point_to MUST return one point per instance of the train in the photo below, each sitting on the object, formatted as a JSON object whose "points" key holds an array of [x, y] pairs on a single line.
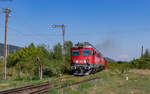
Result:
{"points": [[86, 59]]}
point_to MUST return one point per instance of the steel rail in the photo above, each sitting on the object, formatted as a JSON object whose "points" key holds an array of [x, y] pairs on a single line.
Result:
{"points": [[42, 87], [30, 89]]}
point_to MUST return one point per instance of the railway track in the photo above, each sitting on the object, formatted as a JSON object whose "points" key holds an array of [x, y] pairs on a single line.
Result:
{"points": [[42, 87], [30, 89], [76, 83]]}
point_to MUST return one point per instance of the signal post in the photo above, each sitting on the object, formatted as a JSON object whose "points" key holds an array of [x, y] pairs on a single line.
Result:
{"points": [[63, 36]]}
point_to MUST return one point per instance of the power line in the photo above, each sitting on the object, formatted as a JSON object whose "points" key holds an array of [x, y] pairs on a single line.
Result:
{"points": [[30, 34]]}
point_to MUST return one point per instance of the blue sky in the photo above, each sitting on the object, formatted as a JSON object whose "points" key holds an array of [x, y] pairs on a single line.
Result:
{"points": [[118, 28]]}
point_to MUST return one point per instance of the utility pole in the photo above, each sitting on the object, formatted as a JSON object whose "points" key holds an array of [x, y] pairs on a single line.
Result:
{"points": [[6, 11], [63, 36], [142, 51]]}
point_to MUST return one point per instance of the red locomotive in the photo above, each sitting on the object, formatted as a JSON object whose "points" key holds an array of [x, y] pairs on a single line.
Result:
{"points": [[85, 59]]}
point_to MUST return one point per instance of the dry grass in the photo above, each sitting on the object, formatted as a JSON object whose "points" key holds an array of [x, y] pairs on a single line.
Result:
{"points": [[4, 84], [113, 83], [141, 71]]}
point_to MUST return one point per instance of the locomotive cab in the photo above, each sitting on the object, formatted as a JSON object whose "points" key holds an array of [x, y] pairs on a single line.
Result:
{"points": [[81, 59], [81, 56]]}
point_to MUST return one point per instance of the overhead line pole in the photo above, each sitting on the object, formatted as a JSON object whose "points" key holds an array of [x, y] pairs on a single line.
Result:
{"points": [[6, 11], [63, 36], [142, 51], [63, 51]]}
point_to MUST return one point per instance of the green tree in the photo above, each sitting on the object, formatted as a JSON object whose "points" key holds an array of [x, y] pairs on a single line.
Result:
{"points": [[58, 51], [23, 62], [146, 54], [68, 46], [143, 62]]}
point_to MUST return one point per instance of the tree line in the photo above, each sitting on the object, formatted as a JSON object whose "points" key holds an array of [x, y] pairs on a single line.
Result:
{"points": [[121, 67], [23, 63]]}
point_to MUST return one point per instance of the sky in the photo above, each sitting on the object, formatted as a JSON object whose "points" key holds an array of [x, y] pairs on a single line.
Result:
{"points": [[117, 28]]}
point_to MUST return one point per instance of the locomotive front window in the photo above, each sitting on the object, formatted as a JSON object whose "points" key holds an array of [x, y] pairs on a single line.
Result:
{"points": [[76, 52], [86, 52]]}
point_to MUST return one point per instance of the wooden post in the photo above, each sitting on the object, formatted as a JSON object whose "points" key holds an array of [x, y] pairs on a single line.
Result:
{"points": [[7, 11], [40, 70]]}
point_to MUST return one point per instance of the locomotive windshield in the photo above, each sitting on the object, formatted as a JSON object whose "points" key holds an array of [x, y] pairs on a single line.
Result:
{"points": [[76, 52], [86, 52]]}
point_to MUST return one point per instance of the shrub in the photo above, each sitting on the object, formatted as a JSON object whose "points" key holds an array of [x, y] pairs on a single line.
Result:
{"points": [[120, 68]]}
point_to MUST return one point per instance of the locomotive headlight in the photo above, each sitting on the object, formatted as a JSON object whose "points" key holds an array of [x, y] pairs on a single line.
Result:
{"points": [[84, 61], [77, 61]]}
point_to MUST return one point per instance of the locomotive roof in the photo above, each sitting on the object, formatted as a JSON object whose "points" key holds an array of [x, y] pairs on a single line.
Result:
{"points": [[85, 45]]}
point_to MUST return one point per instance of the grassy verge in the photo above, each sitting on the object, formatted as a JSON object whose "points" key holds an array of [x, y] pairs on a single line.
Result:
{"points": [[9, 84], [66, 79], [109, 83]]}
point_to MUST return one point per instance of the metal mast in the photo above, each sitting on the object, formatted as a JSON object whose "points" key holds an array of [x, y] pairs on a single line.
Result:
{"points": [[63, 36], [142, 51]]}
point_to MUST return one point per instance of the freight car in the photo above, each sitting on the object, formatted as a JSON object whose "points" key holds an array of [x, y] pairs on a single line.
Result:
{"points": [[86, 59]]}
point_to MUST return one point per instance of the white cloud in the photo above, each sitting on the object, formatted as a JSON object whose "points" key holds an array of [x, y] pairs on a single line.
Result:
{"points": [[124, 56]]}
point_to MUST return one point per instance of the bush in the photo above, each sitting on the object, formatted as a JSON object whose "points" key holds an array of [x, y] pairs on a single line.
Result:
{"points": [[1, 68], [120, 68], [143, 63]]}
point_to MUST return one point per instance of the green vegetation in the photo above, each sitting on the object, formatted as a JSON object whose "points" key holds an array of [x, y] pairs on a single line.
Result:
{"points": [[111, 83], [123, 67], [22, 69], [143, 62], [23, 63]]}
